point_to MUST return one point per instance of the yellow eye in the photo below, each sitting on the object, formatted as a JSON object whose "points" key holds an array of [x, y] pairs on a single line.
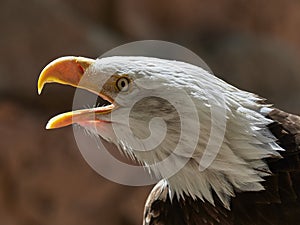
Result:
{"points": [[123, 84]]}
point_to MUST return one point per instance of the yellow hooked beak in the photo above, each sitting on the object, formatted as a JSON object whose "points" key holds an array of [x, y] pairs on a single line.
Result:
{"points": [[69, 70]]}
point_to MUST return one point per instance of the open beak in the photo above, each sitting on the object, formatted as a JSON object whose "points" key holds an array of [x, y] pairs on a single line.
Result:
{"points": [[69, 70]]}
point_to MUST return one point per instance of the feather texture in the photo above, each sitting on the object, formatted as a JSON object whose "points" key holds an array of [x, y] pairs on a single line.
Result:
{"points": [[278, 204]]}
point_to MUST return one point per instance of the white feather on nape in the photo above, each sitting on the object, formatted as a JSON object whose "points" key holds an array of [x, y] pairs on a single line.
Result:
{"points": [[239, 165]]}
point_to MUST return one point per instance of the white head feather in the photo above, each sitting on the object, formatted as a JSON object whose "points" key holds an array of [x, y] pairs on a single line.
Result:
{"points": [[239, 162]]}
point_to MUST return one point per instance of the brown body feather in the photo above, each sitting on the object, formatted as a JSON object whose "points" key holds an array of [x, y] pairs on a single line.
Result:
{"points": [[278, 204]]}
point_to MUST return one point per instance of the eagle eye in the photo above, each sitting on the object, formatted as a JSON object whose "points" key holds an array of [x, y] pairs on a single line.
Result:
{"points": [[123, 84]]}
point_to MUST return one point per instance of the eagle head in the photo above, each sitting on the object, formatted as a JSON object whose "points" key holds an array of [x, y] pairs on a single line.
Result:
{"points": [[195, 131]]}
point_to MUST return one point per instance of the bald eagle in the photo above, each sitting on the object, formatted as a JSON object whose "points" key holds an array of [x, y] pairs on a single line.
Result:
{"points": [[237, 160]]}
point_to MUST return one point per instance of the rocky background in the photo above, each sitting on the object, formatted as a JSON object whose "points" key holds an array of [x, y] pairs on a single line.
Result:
{"points": [[254, 45]]}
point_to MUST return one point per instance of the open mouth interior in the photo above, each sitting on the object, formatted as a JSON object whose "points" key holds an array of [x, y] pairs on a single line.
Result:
{"points": [[100, 102], [88, 100]]}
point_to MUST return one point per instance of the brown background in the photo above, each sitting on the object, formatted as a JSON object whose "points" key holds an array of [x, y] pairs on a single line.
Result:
{"points": [[254, 45]]}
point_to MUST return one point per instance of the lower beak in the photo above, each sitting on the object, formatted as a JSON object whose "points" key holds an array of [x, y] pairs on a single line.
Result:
{"points": [[81, 117]]}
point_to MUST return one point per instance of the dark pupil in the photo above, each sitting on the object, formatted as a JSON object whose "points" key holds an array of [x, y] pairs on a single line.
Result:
{"points": [[123, 83]]}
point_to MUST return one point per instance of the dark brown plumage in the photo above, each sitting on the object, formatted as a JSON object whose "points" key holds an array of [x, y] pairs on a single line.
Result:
{"points": [[279, 204]]}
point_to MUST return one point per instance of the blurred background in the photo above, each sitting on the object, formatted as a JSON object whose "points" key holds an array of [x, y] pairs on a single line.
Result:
{"points": [[254, 45]]}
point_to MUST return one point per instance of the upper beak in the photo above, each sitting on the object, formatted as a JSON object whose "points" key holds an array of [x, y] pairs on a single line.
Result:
{"points": [[70, 70], [65, 70]]}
